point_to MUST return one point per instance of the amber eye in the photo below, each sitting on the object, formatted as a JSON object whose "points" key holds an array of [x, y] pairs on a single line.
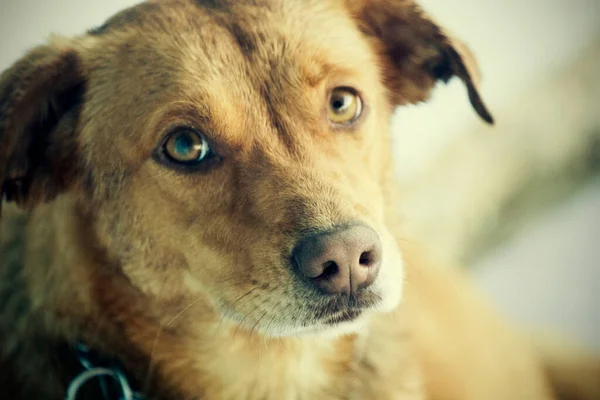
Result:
{"points": [[186, 147], [345, 106]]}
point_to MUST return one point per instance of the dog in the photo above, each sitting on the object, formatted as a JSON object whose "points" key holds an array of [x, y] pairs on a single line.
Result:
{"points": [[200, 204]]}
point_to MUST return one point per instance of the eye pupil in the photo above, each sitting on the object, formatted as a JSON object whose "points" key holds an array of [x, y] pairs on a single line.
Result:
{"points": [[339, 103], [345, 106], [186, 147]]}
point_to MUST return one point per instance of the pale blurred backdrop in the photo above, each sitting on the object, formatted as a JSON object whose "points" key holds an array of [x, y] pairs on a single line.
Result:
{"points": [[517, 204]]}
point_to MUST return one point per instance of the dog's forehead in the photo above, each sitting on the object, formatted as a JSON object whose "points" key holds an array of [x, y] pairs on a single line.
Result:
{"points": [[261, 30], [232, 59], [240, 17]]}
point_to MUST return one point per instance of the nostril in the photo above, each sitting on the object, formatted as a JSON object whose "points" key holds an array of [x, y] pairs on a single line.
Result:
{"points": [[366, 259], [331, 269], [339, 262]]}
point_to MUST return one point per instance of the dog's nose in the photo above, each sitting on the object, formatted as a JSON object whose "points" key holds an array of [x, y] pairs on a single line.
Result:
{"points": [[340, 262]]}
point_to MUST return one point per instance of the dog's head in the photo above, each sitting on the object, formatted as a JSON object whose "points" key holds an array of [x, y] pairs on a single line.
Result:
{"points": [[236, 152]]}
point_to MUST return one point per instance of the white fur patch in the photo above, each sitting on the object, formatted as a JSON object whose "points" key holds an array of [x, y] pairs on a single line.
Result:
{"points": [[390, 281]]}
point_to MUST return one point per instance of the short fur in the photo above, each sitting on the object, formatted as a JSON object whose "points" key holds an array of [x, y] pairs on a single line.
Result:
{"points": [[185, 277]]}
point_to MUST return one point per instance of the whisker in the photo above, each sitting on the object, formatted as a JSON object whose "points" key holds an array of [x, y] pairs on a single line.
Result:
{"points": [[159, 331], [237, 300], [183, 311], [268, 327], [230, 307], [258, 321], [240, 324]]}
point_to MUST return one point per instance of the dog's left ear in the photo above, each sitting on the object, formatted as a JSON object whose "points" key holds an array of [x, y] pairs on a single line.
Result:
{"points": [[40, 97], [415, 51]]}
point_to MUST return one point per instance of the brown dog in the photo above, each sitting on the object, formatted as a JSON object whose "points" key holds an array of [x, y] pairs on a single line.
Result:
{"points": [[210, 207]]}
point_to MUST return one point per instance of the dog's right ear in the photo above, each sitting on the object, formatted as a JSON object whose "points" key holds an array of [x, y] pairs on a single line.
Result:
{"points": [[40, 98]]}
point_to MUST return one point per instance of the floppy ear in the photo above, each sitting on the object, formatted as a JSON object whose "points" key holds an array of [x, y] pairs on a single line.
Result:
{"points": [[415, 51], [40, 97]]}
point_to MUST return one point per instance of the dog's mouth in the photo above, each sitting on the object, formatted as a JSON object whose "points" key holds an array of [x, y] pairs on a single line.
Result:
{"points": [[340, 317], [316, 314], [342, 309]]}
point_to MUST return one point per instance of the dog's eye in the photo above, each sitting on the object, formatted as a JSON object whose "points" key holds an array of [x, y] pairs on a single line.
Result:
{"points": [[186, 147], [345, 106]]}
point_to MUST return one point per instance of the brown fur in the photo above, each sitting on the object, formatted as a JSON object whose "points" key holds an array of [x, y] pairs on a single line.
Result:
{"points": [[185, 276]]}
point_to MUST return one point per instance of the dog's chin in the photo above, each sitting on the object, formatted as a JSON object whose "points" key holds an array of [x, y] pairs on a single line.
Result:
{"points": [[337, 326]]}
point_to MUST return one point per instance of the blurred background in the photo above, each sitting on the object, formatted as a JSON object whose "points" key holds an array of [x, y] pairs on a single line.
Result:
{"points": [[518, 204]]}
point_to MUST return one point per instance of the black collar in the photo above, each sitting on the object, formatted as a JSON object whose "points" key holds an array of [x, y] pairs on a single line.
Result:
{"points": [[102, 376]]}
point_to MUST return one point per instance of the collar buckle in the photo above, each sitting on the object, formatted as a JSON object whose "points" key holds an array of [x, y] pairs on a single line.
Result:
{"points": [[93, 368]]}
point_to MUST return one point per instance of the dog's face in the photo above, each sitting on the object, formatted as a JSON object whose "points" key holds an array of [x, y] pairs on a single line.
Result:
{"points": [[233, 152]]}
